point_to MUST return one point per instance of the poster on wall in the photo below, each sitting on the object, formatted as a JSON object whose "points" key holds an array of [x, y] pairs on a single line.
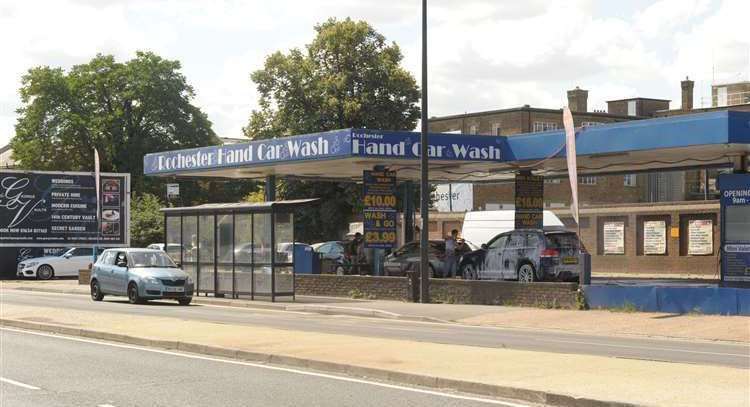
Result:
{"points": [[655, 237], [45, 209], [700, 237], [614, 237]]}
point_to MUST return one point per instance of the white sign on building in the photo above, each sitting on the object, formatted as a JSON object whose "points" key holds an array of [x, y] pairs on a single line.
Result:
{"points": [[614, 237], [453, 197], [700, 237], [655, 237]]}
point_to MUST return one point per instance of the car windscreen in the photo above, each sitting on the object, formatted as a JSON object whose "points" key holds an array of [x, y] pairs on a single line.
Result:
{"points": [[561, 240], [150, 259]]}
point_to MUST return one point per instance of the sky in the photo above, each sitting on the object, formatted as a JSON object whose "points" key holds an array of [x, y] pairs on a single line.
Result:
{"points": [[482, 54]]}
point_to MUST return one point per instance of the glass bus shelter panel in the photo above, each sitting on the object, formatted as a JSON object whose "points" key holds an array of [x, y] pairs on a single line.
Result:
{"points": [[224, 253], [190, 246], [262, 246], [243, 253], [172, 246], [206, 254], [284, 280], [284, 224]]}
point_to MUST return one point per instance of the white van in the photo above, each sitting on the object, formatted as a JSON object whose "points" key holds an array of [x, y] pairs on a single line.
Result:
{"points": [[481, 226]]}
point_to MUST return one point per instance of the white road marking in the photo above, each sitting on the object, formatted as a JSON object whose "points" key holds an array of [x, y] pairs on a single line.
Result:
{"points": [[276, 368], [654, 348], [19, 384], [105, 405]]}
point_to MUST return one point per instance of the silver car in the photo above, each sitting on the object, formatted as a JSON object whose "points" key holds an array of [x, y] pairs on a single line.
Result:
{"points": [[141, 275]]}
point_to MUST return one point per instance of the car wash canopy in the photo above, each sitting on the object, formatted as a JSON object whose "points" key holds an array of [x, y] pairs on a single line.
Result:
{"points": [[707, 139]]}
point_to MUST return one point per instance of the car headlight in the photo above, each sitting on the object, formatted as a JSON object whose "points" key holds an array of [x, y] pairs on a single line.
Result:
{"points": [[152, 280], [32, 264]]}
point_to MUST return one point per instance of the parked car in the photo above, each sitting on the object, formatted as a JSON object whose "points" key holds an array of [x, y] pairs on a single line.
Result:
{"points": [[526, 255], [407, 258], [66, 264], [334, 252], [139, 274]]}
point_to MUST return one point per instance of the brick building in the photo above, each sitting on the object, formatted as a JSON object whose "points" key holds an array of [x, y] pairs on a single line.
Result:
{"points": [[676, 198]]}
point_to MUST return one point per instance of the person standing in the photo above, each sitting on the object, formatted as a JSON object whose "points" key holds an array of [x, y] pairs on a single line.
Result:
{"points": [[451, 244]]}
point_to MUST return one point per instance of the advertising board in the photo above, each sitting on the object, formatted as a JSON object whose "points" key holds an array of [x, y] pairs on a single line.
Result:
{"points": [[47, 209], [735, 227], [529, 201], [614, 237], [654, 237], [379, 209]]}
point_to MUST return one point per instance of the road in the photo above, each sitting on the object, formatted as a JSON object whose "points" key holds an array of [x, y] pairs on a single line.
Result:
{"points": [[46, 370], [698, 352]]}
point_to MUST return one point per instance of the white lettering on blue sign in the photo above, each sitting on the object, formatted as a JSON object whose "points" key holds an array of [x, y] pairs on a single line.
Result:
{"points": [[738, 196]]}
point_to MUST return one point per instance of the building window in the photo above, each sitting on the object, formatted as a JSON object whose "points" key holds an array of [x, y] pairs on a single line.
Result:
{"points": [[496, 129], [589, 124], [473, 129], [552, 180], [544, 126], [587, 180], [631, 108], [721, 97], [629, 180]]}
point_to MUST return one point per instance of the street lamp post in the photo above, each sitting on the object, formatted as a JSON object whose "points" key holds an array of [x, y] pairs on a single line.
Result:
{"points": [[424, 269]]}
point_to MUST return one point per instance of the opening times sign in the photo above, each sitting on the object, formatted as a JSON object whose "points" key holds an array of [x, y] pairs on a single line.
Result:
{"points": [[380, 214], [59, 208]]}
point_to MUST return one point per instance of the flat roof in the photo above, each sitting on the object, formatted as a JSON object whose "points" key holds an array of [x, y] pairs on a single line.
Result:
{"points": [[530, 108], [676, 142], [639, 98], [239, 206]]}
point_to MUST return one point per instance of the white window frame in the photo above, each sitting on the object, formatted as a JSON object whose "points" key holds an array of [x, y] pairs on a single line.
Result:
{"points": [[496, 129], [630, 180], [473, 129], [589, 124], [587, 180], [544, 126], [632, 108]]}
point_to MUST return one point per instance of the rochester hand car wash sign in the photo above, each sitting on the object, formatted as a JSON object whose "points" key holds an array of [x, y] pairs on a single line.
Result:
{"points": [[59, 208], [322, 146]]}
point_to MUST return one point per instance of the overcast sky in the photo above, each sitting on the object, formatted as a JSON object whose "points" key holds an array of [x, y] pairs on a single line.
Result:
{"points": [[483, 54]]}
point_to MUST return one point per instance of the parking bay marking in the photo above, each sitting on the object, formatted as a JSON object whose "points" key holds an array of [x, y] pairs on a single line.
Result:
{"points": [[276, 368], [19, 384]]}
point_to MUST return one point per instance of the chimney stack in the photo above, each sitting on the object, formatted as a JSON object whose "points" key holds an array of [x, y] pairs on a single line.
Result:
{"points": [[687, 94], [578, 100]]}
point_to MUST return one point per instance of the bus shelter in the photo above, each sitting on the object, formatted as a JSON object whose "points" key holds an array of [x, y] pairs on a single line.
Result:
{"points": [[235, 249]]}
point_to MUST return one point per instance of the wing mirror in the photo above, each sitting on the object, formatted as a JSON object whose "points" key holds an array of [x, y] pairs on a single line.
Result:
{"points": [[122, 264], [484, 246], [67, 255]]}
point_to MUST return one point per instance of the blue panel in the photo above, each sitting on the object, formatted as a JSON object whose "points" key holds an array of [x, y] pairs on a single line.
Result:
{"points": [[678, 300], [319, 146]]}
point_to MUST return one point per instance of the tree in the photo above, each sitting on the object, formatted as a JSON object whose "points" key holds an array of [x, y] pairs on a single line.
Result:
{"points": [[146, 221], [125, 110], [349, 76]]}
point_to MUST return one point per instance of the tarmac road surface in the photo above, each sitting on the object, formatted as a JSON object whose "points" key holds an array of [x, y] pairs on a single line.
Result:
{"points": [[39, 370], [697, 352]]}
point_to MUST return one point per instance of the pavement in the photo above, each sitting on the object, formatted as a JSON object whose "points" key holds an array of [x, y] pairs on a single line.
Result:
{"points": [[347, 344], [135, 376], [592, 322]]}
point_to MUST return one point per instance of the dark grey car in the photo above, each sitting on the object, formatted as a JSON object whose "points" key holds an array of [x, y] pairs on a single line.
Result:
{"points": [[526, 255]]}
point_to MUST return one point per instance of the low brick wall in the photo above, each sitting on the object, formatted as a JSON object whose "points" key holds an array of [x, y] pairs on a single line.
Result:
{"points": [[548, 295], [545, 295], [382, 288], [84, 276]]}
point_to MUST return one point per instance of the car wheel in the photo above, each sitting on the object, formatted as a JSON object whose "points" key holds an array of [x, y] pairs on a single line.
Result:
{"points": [[185, 301], [526, 273], [45, 272], [133, 296], [96, 291], [469, 272]]}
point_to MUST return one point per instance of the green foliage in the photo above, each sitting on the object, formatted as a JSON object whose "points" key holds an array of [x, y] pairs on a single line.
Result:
{"points": [[349, 76], [146, 221], [125, 110]]}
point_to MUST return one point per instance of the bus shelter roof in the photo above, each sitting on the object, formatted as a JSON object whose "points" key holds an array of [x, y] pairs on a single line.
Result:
{"points": [[678, 142]]}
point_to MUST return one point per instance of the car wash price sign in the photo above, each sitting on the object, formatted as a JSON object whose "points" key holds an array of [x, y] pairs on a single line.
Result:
{"points": [[379, 200], [529, 201]]}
